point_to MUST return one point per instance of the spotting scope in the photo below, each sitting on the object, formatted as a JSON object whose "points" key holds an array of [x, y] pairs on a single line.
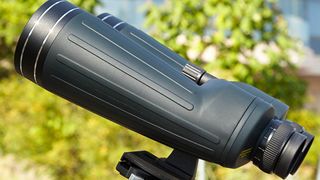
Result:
{"points": [[109, 67]]}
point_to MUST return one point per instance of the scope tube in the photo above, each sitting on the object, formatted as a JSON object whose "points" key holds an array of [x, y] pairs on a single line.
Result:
{"points": [[93, 65], [77, 56]]}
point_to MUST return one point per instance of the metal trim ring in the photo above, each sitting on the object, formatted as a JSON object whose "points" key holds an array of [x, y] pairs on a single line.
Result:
{"points": [[31, 31], [106, 17], [45, 40]]}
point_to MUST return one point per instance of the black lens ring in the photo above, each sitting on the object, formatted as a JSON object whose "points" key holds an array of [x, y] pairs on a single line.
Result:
{"points": [[275, 146], [290, 154], [28, 31], [38, 35]]}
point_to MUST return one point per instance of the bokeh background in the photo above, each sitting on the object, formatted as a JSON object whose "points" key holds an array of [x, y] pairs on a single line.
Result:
{"points": [[271, 44]]}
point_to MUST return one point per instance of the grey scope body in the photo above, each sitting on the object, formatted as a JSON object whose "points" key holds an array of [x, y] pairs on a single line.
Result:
{"points": [[112, 69]]}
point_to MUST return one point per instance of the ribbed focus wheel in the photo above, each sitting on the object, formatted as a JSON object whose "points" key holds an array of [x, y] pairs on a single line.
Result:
{"points": [[275, 146]]}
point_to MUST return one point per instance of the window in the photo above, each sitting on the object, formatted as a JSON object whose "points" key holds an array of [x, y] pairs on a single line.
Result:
{"points": [[295, 12], [313, 19]]}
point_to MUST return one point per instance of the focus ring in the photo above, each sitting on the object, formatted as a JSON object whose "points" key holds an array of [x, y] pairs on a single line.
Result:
{"points": [[274, 147]]}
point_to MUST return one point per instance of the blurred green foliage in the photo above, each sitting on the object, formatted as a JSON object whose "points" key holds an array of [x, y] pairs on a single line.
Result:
{"points": [[72, 143]]}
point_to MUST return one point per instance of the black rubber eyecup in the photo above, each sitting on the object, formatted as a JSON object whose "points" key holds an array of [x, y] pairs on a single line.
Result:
{"points": [[303, 153]]}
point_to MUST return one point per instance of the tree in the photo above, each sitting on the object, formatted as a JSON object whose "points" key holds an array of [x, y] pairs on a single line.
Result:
{"points": [[242, 40], [14, 15]]}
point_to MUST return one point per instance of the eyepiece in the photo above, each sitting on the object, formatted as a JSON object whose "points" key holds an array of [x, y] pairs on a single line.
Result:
{"points": [[282, 148]]}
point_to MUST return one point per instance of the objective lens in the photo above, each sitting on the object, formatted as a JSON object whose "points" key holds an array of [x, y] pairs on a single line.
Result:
{"points": [[282, 148]]}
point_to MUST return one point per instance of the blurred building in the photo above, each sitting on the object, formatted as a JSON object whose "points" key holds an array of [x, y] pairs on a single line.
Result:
{"points": [[303, 19]]}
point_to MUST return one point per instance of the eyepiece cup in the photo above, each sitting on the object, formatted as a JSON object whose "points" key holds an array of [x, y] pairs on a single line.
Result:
{"points": [[303, 153]]}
